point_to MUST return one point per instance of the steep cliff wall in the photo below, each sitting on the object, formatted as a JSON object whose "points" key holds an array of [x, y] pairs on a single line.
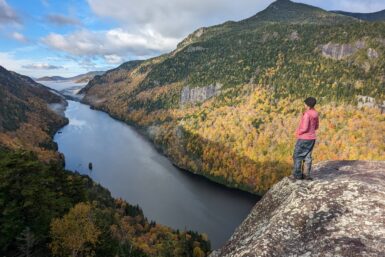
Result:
{"points": [[340, 213]]}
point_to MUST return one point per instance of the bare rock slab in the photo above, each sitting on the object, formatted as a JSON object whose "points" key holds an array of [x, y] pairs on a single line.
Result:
{"points": [[340, 213]]}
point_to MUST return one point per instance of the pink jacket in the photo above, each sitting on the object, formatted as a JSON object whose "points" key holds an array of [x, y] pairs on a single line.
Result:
{"points": [[308, 125]]}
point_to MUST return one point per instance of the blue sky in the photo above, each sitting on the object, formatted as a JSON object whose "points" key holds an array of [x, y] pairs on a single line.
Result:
{"points": [[56, 37]]}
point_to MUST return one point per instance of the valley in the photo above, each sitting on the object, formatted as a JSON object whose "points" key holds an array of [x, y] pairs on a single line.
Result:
{"points": [[166, 154]]}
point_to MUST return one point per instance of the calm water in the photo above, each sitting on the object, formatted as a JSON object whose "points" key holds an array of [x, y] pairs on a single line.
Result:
{"points": [[129, 166]]}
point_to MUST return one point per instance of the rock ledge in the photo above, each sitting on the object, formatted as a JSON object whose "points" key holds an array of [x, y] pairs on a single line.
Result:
{"points": [[340, 213]]}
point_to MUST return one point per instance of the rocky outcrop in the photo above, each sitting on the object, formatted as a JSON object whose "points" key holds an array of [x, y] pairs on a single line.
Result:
{"points": [[199, 94], [340, 213], [372, 54], [294, 36], [370, 102], [193, 49], [341, 51]]}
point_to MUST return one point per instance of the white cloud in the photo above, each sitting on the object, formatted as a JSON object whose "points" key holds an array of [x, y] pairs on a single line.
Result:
{"points": [[19, 37], [7, 14], [113, 59], [111, 42], [175, 18], [41, 66]]}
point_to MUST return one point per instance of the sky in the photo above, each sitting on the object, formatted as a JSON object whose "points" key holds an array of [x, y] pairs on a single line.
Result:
{"points": [[67, 38]]}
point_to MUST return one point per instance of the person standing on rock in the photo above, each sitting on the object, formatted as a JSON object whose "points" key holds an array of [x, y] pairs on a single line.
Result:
{"points": [[306, 137]]}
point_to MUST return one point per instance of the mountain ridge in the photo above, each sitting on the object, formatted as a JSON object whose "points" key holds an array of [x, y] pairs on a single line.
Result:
{"points": [[375, 16], [78, 78]]}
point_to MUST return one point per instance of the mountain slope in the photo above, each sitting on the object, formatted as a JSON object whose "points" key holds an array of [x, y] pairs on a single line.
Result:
{"points": [[301, 219], [27, 119], [226, 102], [376, 16]]}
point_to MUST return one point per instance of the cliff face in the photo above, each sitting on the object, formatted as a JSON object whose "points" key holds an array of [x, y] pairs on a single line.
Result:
{"points": [[199, 94], [340, 213]]}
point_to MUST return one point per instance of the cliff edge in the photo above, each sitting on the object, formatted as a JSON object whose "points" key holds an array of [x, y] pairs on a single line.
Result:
{"points": [[340, 213]]}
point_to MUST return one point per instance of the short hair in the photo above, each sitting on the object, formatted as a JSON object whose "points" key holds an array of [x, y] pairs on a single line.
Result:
{"points": [[311, 102]]}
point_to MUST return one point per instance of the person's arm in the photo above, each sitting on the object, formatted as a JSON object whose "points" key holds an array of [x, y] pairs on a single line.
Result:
{"points": [[304, 126]]}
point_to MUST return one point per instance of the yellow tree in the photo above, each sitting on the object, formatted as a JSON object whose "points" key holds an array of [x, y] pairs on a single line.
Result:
{"points": [[75, 233]]}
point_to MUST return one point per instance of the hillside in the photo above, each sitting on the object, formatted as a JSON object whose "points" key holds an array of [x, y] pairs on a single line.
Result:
{"points": [[340, 213], [226, 102], [27, 116], [376, 16]]}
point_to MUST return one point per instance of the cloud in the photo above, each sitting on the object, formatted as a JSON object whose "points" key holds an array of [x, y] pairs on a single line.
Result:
{"points": [[61, 20], [175, 18], [7, 14], [113, 59], [19, 37], [110, 43], [41, 66]]}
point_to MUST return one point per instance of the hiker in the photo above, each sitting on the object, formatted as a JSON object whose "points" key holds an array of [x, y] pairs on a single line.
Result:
{"points": [[306, 137]]}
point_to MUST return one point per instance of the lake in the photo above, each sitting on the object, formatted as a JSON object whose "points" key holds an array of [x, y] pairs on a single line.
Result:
{"points": [[129, 166]]}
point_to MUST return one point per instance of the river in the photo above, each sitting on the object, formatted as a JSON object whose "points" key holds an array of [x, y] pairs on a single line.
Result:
{"points": [[129, 166]]}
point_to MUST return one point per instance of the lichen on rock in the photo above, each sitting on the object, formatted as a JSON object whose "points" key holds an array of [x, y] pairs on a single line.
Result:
{"points": [[340, 213]]}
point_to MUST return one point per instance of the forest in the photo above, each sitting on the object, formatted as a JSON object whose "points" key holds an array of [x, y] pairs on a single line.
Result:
{"points": [[48, 211]]}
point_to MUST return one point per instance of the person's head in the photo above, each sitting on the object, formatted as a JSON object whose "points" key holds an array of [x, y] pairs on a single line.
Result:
{"points": [[310, 102]]}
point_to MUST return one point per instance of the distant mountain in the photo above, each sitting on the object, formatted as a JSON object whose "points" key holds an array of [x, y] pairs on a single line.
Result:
{"points": [[51, 78], [26, 119], [82, 78], [376, 16], [225, 103]]}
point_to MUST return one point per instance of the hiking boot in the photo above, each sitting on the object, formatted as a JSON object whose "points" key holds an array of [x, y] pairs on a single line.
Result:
{"points": [[293, 178], [308, 178]]}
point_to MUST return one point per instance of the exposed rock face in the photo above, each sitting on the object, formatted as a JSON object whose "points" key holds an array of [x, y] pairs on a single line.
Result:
{"points": [[366, 101], [372, 53], [341, 51], [199, 94], [192, 49], [294, 36], [340, 213]]}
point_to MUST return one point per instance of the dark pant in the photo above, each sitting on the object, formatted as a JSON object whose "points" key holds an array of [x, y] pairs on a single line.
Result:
{"points": [[302, 152]]}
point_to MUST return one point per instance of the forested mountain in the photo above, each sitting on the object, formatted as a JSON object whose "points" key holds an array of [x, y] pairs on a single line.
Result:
{"points": [[48, 211], [27, 119], [226, 102]]}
